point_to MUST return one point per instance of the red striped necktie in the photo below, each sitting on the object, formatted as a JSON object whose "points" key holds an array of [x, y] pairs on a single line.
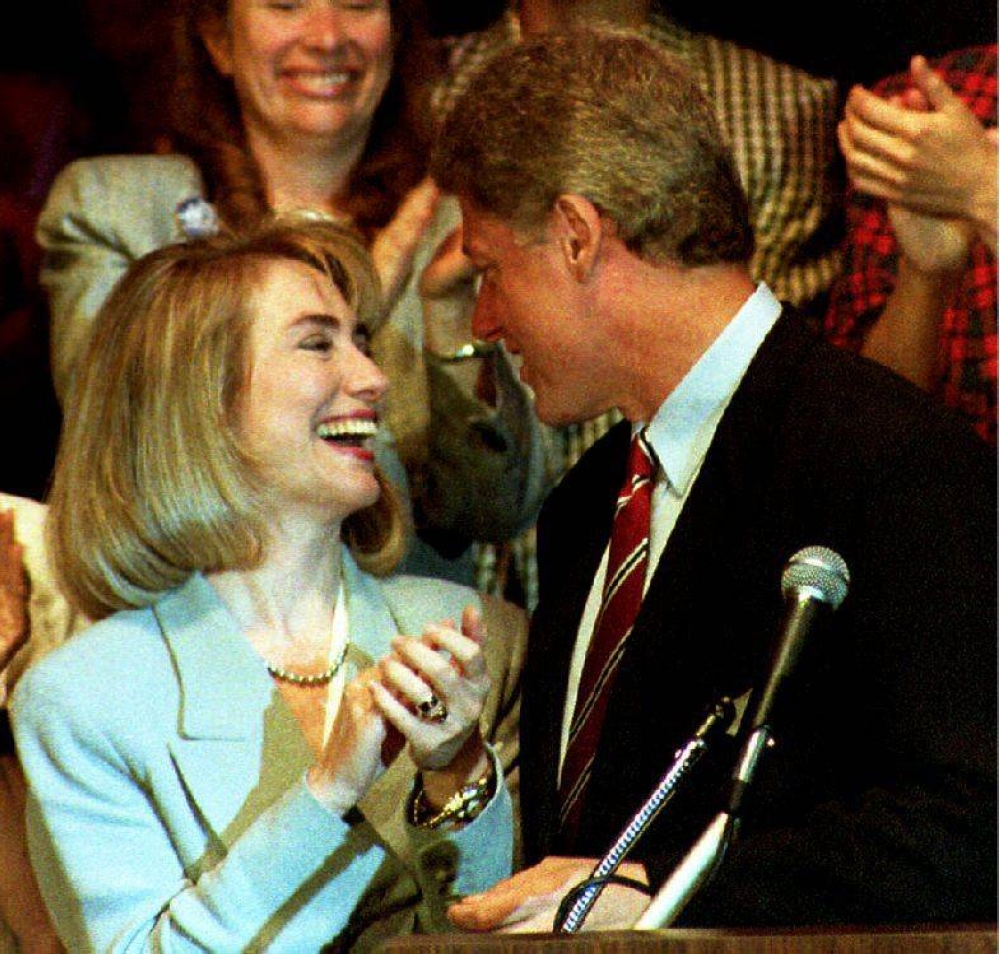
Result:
{"points": [[628, 557]]}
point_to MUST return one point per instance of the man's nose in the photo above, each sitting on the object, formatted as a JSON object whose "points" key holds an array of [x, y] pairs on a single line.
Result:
{"points": [[486, 323]]}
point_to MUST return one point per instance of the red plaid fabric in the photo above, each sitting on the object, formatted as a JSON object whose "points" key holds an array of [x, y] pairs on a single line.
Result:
{"points": [[628, 557], [968, 340]]}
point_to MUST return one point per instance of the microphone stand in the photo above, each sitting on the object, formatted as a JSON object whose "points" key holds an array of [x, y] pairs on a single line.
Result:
{"points": [[814, 582], [587, 892], [705, 856]]}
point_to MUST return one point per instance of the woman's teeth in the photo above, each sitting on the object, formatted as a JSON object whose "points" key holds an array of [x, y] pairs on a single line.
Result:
{"points": [[352, 430], [322, 82]]}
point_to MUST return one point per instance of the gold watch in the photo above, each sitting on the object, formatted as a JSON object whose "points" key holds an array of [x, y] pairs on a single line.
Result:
{"points": [[462, 807]]}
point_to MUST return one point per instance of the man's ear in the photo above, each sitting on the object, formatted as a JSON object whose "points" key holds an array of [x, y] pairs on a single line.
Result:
{"points": [[579, 230], [214, 33]]}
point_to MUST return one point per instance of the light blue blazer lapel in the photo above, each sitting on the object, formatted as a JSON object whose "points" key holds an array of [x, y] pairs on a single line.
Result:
{"points": [[236, 745]]}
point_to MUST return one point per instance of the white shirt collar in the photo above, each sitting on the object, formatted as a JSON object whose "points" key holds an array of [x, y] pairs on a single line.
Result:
{"points": [[684, 425]]}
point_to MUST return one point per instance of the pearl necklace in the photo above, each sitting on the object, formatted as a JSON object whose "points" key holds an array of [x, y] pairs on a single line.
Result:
{"points": [[340, 635], [316, 679]]}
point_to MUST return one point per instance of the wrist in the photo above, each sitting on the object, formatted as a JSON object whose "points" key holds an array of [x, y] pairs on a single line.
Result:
{"points": [[928, 280], [465, 804], [470, 762], [332, 794], [467, 350]]}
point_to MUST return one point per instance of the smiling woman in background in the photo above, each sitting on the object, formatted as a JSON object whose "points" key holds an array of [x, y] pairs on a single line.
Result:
{"points": [[316, 104], [212, 766]]}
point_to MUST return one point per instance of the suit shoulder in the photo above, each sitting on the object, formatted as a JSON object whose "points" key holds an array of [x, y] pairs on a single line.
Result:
{"points": [[126, 172], [865, 396], [107, 211], [848, 429], [95, 668]]}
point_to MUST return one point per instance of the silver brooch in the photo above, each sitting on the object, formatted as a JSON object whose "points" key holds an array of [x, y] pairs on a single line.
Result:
{"points": [[197, 217]]}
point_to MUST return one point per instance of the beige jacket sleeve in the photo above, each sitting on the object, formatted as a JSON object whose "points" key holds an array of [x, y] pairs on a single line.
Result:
{"points": [[100, 216], [52, 618], [506, 645]]}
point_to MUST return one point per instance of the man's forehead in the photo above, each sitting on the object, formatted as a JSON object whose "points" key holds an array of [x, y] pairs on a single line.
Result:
{"points": [[485, 232]]}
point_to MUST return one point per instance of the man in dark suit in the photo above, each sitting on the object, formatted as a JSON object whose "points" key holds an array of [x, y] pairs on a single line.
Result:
{"points": [[610, 230]]}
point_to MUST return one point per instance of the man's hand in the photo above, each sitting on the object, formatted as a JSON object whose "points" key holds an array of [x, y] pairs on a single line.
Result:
{"points": [[528, 901]]}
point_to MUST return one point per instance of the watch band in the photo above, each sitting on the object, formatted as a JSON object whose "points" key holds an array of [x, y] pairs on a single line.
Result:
{"points": [[462, 807]]}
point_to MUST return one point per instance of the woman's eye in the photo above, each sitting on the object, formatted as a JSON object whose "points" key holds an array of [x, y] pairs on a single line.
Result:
{"points": [[363, 341], [321, 343]]}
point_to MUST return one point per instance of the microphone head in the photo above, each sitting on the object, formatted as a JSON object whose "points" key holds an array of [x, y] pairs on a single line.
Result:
{"points": [[819, 569]]}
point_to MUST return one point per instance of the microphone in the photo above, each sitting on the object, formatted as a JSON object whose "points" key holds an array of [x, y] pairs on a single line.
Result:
{"points": [[814, 582]]}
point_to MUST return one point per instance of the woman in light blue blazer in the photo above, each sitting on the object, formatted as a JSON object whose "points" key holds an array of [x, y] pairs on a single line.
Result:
{"points": [[247, 754]]}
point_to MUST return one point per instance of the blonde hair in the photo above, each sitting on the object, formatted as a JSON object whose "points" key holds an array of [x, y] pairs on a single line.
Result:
{"points": [[151, 483], [604, 114]]}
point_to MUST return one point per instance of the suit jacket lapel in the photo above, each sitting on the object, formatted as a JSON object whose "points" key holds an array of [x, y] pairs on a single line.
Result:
{"points": [[712, 541], [237, 744], [372, 629]]}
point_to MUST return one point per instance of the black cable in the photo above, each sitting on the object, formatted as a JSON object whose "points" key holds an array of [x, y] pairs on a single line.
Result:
{"points": [[601, 883]]}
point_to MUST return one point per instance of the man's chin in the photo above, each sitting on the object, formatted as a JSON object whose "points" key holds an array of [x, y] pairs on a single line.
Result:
{"points": [[555, 415]]}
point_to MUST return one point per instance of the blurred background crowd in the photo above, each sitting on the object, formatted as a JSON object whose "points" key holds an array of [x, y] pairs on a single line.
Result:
{"points": [[88, 77]]}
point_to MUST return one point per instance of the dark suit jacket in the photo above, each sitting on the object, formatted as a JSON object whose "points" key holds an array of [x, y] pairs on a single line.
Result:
{"points": [[878, 803]]}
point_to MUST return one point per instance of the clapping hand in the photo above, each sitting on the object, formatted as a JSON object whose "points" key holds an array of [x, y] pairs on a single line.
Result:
{"points": [[381, 710], [926, 153], [396, 245], [432, 689], [354, 755]]}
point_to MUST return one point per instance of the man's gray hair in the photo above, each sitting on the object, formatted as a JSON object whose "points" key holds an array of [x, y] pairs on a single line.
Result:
{"points": [[606, 115]]}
